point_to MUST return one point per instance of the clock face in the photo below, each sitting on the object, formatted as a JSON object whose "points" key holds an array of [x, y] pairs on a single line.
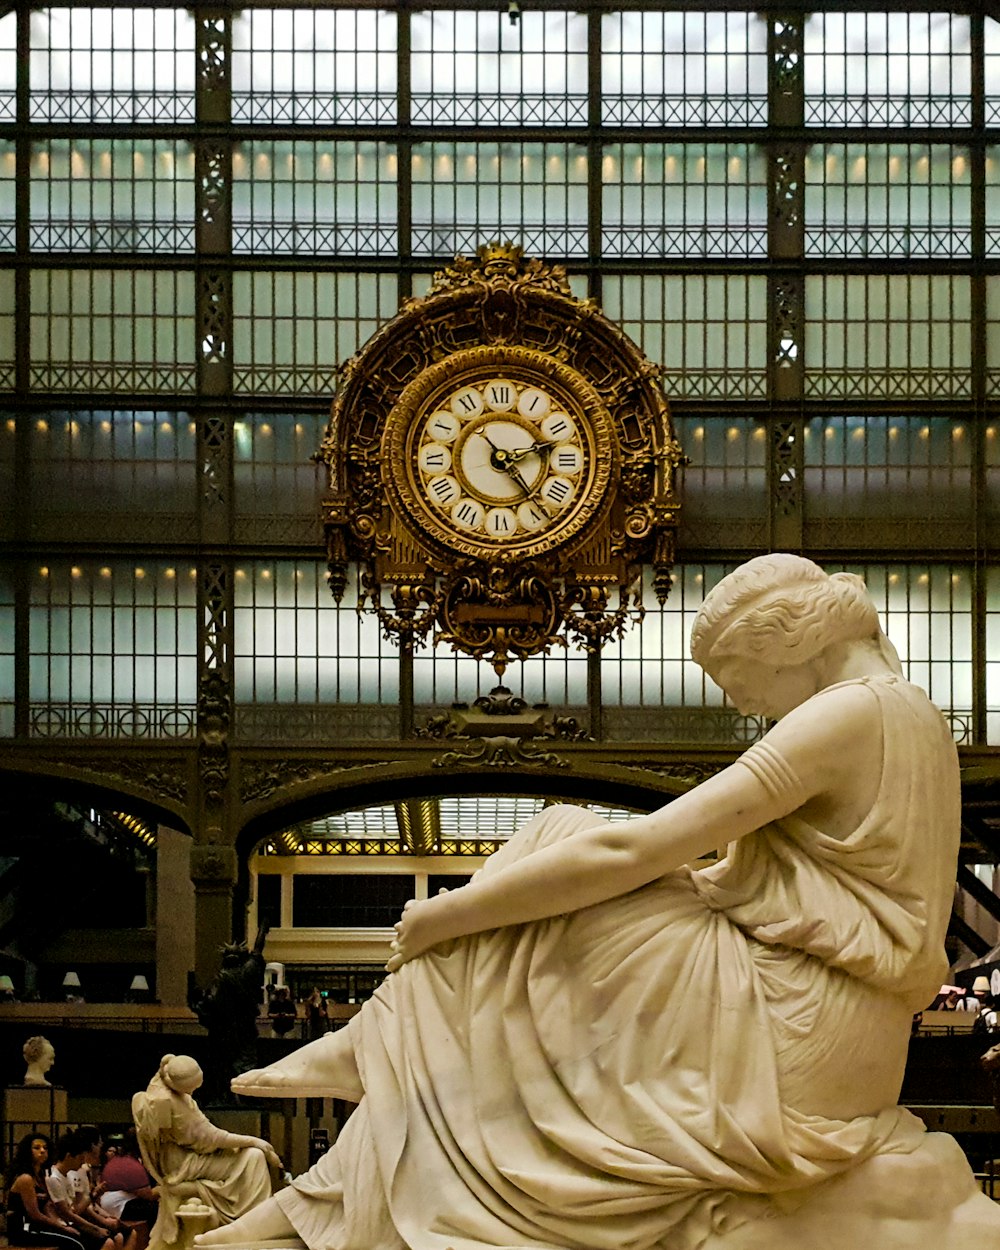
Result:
{"points": [[501, 461]]}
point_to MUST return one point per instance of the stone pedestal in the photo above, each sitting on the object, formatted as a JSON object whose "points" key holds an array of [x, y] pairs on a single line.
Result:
{"points": [[193, 1217], [928, 1199], [34, 1108]]}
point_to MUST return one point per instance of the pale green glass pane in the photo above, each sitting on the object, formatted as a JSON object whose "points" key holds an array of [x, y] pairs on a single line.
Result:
{"points": [[112, 64], [129, 651], [697, 328], [870, 69], [691, 68]]}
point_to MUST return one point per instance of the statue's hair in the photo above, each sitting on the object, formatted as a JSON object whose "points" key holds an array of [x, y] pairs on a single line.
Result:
{"points": [[781, 608], [35, 1047], [180, 1073]]}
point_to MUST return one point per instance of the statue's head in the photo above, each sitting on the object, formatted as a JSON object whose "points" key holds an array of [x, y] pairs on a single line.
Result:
{"points": [[781, 610], [767, 632], [180, 1073], [234, 954], [40, 1052]]}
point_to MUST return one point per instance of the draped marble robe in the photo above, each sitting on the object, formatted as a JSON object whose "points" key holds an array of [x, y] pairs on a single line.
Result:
{"points": [[656, 1069], [190, 1157]]}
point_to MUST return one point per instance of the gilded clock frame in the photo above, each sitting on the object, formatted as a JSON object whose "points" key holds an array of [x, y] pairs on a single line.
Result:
{"points": [[527, 365], [576, 583]]}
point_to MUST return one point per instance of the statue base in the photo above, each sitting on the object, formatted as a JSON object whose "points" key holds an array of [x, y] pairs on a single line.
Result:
{"points": [[891, 1201], [31, 1107]]}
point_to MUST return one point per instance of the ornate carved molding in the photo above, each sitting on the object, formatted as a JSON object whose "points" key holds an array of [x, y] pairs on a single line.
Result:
{"points": [[694, 774], [499, 752], [264, 779], [160, 779], [213, 865]]}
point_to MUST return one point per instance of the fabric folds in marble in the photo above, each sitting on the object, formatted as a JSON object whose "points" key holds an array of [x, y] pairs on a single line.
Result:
{"points": [[190, 1157], [664, 1065]]}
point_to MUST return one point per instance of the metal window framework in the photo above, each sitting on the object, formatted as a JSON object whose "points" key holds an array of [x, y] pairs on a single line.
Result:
{"points": [[783, 412]]}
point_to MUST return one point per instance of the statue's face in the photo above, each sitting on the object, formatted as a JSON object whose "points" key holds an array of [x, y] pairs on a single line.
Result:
{"points": [[768, 690]]}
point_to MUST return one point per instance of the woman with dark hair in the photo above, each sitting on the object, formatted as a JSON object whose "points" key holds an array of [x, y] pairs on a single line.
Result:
{"points": [[30, 1218]]}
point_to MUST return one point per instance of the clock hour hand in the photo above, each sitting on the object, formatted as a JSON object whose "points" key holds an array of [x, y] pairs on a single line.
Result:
{"points": [[503, 460], [527, 451]]}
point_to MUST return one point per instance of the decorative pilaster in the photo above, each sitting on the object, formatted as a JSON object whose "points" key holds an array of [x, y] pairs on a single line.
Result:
{"points": [[214, 284], [785, 95], [213, 855], [787, 431], [786, 201], [213, 871], [786, 242]]}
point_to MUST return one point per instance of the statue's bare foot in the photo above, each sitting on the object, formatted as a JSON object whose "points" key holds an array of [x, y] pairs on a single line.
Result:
{"points": [[325, 1068], [263, 1083], [264, 1223]]}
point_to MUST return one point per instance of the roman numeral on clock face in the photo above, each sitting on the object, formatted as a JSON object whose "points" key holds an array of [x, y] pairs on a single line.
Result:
{"points": [[444, 489], [468, 514], [558, 428], [567, 460], [467, 402], [500, 395], [557, 490]]}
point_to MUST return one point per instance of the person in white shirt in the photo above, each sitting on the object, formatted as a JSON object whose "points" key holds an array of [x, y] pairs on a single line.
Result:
{"points": [[70, 1152]]}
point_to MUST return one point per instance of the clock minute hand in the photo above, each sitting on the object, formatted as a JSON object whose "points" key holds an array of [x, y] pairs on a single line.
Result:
{"points": [[502, 460]]}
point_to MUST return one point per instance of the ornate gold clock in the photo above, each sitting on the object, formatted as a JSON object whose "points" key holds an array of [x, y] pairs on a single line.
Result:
{"points": [[505, 454], [501, 461]]}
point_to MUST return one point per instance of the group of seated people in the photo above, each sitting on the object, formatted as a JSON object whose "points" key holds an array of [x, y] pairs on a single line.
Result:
{"points": [[73, 1196]]}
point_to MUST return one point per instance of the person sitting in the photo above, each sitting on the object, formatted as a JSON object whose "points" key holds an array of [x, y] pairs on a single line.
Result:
{"points": [[190, 1157], [601, 1042], [129, 1194], [67, 1202], [32, 1219], [85, 1181], [282, 1012]]}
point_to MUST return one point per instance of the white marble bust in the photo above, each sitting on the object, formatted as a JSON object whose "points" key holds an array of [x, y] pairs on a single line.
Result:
{"points": [[39, 1055]]}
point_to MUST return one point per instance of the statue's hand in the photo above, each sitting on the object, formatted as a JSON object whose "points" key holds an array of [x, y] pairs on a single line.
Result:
{"points": [[270, 1154], [419, 928]]}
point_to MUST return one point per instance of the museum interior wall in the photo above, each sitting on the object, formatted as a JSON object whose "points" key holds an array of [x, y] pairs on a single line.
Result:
{"points": [[206, 212]]}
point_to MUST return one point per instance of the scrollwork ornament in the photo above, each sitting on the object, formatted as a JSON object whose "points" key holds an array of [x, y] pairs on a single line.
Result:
{"points": [[160, 779], [499, 752], [262, 780], [213, 864], [693, 774], [508, 612]]}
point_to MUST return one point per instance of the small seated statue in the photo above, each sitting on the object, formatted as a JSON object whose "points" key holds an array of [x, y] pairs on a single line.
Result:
{"points": [[39, 1055], [603, 1042], [188, 1157]]}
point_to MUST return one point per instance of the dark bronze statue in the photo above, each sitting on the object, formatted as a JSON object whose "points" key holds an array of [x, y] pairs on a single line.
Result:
{"points": [[228, 1010]]}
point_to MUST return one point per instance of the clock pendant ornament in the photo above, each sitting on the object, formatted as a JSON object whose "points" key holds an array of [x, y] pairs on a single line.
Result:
{"points": [[501, 463]]}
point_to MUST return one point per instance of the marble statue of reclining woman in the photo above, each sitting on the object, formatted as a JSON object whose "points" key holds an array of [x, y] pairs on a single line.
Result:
{"points": [[596, 1045]]}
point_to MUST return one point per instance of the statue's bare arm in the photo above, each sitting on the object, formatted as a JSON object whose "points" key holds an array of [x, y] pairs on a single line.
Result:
{"points": [[831, 746]]}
